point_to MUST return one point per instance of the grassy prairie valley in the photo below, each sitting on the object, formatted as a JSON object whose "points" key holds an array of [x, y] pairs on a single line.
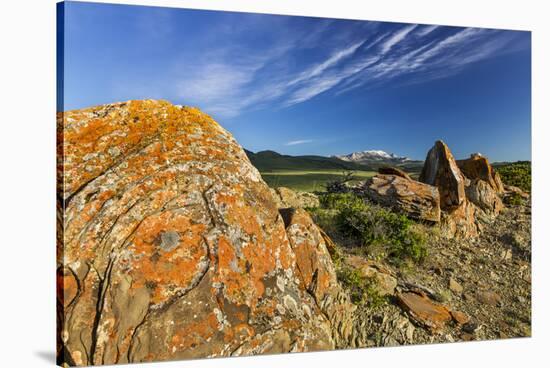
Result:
{"points": [[309, 180]]}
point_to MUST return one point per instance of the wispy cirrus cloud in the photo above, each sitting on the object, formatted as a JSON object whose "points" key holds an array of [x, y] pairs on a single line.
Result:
{"points": [[302, 63], [299, 141]]}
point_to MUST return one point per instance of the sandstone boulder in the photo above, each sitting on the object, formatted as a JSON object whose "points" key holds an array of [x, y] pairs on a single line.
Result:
{"points": [[480, 193], [441, 170], [388, 170], [458, 217], [288, 198], [416, 199], [173, 245], [478, 167]]}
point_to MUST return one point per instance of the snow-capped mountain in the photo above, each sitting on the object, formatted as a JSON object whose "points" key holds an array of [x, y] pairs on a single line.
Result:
{"points": [[373, 156]]}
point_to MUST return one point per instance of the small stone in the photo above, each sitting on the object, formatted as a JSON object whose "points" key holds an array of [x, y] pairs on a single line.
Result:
{"points": [[489, 298], [409, 333], [471, 327], [460, 317], [467, 337], [506, 254], [455, 286]]}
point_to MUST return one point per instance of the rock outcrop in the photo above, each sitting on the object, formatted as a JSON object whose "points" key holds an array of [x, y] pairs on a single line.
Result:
{"points": [[416, 199], [441, 170], [318, 274], [469, 190], [478, 167], [480, 193], [288, 198], [172, 246]]}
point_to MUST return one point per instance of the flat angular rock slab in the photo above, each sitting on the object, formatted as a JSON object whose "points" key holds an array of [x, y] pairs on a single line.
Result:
{"points": [[441, 170], [478, 167], [425, 312], [416, 199]]}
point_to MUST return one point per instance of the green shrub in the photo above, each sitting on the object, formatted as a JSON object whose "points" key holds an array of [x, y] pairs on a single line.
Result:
{"points": [[362, 289], [517, 174], [513, 199], [336, 201], [374, 226]]}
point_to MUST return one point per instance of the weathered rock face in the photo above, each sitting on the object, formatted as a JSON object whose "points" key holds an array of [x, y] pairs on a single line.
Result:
{"points": [[480, 193], [478, 167], [173, 245], [388, 170], [460, 222], [416, 199], [441, 170], [317, 272], [288, 198], [458, 217]]}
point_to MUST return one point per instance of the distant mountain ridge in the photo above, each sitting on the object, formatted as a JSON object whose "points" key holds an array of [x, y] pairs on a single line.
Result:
{"points": [[373, 156], [266, 161]]}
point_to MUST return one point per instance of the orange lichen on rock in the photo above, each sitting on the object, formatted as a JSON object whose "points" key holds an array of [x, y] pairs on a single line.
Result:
{"points": [[174, 243]]}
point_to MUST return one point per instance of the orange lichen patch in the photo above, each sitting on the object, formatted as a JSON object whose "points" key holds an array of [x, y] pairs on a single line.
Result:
{"points": [[193, 334], [67, 286], [167, 263], [312, 258], [89, 144]]}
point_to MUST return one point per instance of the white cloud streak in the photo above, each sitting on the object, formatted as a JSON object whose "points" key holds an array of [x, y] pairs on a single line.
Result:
{"points": [[300, 141], [227, 84], [426, 30], [397, 37]]}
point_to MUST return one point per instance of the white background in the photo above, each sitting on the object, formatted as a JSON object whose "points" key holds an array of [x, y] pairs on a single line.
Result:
{"points": [[27, 180]]}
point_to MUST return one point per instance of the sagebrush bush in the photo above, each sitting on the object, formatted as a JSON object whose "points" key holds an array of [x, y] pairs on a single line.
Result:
{"points": [[513, 199], [335, 201], [376, 227]]}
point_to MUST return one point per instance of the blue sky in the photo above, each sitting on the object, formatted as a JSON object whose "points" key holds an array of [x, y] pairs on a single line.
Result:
{"points": [[302, 85]]}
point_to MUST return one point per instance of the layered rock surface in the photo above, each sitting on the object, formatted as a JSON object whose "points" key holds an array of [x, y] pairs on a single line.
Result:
{"points": [[441, 170], [478, 167], [469, 190], [172, 246], [416, 199]]}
